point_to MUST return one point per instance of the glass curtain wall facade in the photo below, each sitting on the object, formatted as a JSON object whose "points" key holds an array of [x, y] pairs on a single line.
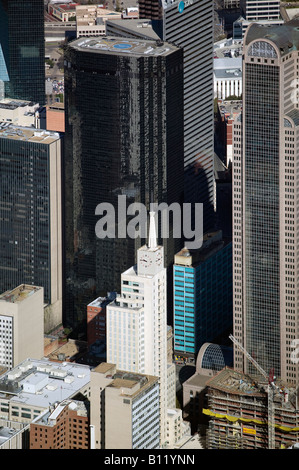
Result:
{"points": [[190, 26], [124, 137], [265, 194], [25, 228], [203, 301], [23, 46], [261, 227]]}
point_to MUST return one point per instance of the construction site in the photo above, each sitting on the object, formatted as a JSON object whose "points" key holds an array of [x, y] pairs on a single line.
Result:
{"points": [[250, 412]]}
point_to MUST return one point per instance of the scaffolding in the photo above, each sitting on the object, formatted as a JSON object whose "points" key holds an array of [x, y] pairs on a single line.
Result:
{"points": [[238, 408], [271, 390]]}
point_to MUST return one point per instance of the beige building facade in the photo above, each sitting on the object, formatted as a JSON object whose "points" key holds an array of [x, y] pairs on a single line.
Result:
{"points": [[21, 325], [124, 409], [91, 20], [265, 203]]}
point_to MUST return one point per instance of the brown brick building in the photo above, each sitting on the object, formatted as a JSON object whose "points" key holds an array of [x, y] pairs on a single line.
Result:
{"points": [[64, 427]]}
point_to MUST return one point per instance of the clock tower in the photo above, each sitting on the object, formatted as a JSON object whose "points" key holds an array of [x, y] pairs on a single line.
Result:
{"points": [[141, 344], [150, 257]]}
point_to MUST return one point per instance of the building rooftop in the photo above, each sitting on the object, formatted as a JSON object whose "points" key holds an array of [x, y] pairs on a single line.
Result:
{"points": [[70, 351], [138, 27], [7, 433], [67, 6], [8, 103], [104, 367], [130, 383], [130, 46], [19, 294], [228, 73], [91, 14], [285, 36], [212, 243], [43, 383], [27, 134], [50, 416], [231, 381], [230, 109], [102, 301]]}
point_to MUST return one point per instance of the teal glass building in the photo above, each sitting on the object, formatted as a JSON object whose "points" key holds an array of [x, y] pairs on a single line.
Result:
{"points": [[203, 307], [23, 49]]}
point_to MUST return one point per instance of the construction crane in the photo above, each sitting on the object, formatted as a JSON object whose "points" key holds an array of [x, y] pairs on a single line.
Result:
{"points": [[271, 389]]}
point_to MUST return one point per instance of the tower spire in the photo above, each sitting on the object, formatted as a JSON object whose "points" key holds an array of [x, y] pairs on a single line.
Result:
{"points": [[152, 236]]}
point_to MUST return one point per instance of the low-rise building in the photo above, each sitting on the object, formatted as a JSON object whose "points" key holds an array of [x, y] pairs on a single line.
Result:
{"points": [[227, 77], [124, 409], [91, 20], [65, 426], [34, 386], [14, 435], [96, 318], [63, 11], [55, 117], [130, 13], [21, 113], [21, 325]]}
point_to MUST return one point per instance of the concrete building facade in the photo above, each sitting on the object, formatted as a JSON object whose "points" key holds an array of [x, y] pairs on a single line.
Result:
{"points": [[91, 20], [137, 320], [124, 409], [21, 325]]}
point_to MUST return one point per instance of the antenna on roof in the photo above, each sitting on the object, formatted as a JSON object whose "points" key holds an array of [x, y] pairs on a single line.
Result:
{"points": [[152, 236]]}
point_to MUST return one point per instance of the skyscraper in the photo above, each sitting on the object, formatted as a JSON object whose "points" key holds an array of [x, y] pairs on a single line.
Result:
{"points": [[30, 213], [23, 49], [265, 202], [189, 24], [124, 137], [137, 320]]}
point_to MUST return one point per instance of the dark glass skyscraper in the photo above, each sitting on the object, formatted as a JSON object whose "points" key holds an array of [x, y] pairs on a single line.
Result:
{"points": [[189, 24], [124, 137], [23, 46], [30, 211]]}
